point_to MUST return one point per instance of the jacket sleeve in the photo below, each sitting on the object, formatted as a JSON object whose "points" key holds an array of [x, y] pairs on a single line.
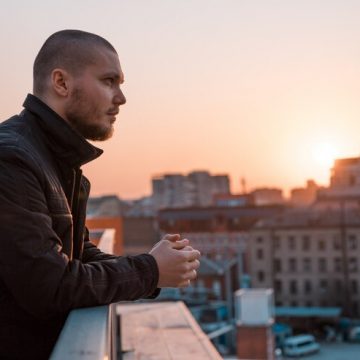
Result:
{"points": [[41, 278], [91, 252]]}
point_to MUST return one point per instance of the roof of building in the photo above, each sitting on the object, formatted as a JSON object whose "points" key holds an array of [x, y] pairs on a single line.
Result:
{"points": [[299, 311], [162, 331], [204, 213], [106, 206], [310, 217], [214, 267]]}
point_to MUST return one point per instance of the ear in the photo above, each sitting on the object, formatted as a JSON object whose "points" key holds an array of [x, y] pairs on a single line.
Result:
{"points": [[60, 82]]}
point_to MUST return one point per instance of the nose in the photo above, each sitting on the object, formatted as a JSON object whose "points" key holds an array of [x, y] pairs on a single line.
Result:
{"points": [[119, 98]]}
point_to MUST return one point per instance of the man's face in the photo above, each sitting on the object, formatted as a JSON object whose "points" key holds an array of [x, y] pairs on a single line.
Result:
{"points": [[96, 96]]}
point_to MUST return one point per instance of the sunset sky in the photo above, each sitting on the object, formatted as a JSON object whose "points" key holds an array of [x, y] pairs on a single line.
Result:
{"points": [[262, 89]]}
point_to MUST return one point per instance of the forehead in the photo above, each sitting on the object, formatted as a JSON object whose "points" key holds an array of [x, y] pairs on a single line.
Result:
{"points": [[106, 62]]}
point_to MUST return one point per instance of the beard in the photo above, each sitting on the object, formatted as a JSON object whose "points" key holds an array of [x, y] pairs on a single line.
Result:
{"points": [[83, 116]]}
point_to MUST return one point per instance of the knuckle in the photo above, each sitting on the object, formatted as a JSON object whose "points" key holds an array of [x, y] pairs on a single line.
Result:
{"points": [[184, 283], [188, 267]]}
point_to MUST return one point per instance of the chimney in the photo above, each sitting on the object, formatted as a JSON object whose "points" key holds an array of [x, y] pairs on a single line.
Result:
{"points": [[254, 314]]}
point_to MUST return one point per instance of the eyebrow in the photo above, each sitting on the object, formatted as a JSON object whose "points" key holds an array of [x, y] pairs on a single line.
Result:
{"points": [[115, 75]]}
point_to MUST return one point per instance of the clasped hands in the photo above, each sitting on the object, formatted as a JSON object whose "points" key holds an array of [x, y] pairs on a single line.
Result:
{"points": [[177, 261]]}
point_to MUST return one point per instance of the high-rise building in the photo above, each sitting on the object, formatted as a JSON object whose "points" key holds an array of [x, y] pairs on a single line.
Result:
{"points": [[195, 189], [267, 196], [304, 196], [345, 179]]}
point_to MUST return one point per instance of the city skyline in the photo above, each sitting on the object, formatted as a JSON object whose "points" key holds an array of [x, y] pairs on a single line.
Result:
{"points": [[267, 90]]}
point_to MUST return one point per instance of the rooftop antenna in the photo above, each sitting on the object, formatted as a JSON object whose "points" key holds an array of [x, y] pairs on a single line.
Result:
{"points": [[243, 185]]}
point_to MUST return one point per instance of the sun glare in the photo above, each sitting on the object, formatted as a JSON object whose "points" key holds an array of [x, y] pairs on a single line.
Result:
{"points": [[324, 154]]}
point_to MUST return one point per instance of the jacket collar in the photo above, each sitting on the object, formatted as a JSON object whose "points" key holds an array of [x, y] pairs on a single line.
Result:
{"points": [[65, 142]]}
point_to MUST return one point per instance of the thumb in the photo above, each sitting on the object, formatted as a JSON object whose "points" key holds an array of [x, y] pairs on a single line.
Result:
{"points": [[172, 237], [180, 244]]}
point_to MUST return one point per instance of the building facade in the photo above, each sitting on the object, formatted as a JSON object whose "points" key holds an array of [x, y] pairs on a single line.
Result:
{"points": [[310, 258], [195, 189]]}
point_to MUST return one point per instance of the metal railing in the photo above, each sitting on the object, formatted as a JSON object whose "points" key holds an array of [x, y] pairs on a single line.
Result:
{"points": [[91, 333]]}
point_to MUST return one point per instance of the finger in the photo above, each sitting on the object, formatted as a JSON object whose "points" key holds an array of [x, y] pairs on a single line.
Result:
{"points": [[184, 283], [180, 244], [191, 275], [195, 264], [188, 248], [172, 237], [192, 255]]}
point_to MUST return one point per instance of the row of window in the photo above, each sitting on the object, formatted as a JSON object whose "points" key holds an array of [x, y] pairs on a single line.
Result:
{"points": [[306, 243], [308, 265], [307, 286]]}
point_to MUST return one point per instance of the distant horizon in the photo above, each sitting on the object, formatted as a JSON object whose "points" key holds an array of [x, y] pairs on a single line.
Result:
{"points": [[263, 90], [286, 192]]}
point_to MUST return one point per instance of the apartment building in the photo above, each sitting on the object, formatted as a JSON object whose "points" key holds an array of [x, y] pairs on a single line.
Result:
{"points": [[304, 196], [218, 232], [267, 196], [309, 257], [344, 180], [195, 189]]}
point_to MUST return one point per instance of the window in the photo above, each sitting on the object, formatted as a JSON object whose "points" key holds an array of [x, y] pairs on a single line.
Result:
{"points": [[216, 288], [338, 285], [337, 264], [291, 241], [336, 242], [307, 265], [322, 265], [306, 243], [307, 287], [260, 276], [352, 180], [277, 265], [352, 242], [308, 304], [355, 307], [323, 284], [293, 287], [259, 254], [353, 265], [293, 303], [354, 286], [278, 286], [259, 239], [321, 245], [277, 242], [292, 265]]}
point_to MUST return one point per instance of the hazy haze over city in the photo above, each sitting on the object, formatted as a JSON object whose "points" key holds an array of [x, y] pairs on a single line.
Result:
{"points": [[266, 90]]}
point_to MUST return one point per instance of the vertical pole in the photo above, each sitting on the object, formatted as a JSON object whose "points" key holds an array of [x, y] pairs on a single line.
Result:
{"points": [[347, 305]]}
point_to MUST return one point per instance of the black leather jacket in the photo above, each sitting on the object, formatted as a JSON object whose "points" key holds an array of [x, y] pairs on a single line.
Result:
{"points": [[47, 264]]}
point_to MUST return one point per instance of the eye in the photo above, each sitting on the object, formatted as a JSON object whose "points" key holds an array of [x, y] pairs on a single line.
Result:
{"points": [[109, 81]]}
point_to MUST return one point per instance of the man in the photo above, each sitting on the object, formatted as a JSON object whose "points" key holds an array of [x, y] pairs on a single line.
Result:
{"points": [[47, 264]]}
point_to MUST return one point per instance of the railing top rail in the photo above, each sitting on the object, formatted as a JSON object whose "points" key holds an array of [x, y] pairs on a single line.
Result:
{"points": [[85, 335]]}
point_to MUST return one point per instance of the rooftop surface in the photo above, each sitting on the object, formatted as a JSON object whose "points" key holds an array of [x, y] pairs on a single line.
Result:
{"points": [[164, 331]]}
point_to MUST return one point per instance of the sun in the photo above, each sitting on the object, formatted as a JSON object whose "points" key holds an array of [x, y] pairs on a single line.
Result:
{"points": [[324, 154]]}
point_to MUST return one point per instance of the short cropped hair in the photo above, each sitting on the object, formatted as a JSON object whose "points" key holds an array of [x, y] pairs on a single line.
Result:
{"points": [[71, 50]]}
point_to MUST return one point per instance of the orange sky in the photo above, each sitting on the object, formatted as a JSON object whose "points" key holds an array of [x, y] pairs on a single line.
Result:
{"points": [[256, 89]]}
